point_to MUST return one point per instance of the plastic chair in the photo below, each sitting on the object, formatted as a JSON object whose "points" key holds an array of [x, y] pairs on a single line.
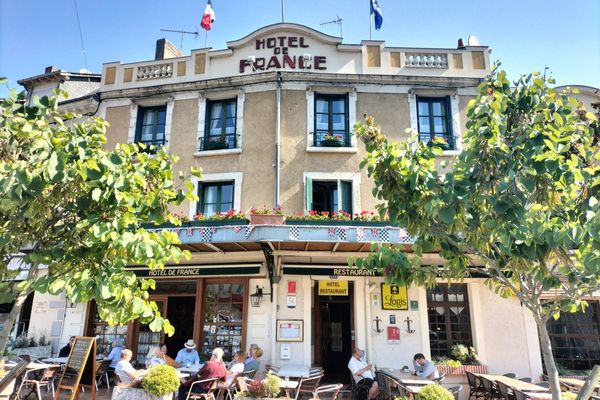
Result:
{"points": [[510, 375], [527, 379], [384, 391], [455, 390], [475, 386], [208, 395], [225, 391], [333, 390]]}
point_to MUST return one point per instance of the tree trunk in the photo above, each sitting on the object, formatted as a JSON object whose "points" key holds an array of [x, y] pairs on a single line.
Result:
{"points": [[588, 388], [548, 357], [9, 323]]}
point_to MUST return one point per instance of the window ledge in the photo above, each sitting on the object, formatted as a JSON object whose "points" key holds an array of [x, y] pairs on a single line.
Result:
{"points": [[209, 153], [314, 149], [450, 153]]}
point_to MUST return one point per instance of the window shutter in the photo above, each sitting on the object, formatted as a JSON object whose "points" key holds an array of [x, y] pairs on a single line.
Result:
{"points": [[308, 194], [345, 190]]}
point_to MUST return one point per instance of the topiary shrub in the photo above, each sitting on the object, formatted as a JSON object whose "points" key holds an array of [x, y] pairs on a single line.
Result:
{"points": [[272, 385], [434, 392], [160, 380]]}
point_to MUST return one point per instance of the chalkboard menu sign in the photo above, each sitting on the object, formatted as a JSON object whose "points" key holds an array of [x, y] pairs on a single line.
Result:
{"points": [[81, 367]]}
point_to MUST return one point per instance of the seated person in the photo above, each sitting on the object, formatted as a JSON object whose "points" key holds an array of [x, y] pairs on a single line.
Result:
{"points": [[362, 374], [237, 367], [254, 363], [214, 368], [125, 371], [155, 357], [188, 355], [115, 354], [424, 368], [65, 351], [251, 350]]}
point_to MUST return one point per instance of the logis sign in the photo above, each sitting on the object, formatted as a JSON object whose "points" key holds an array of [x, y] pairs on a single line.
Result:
{"points": [[281, 58]]}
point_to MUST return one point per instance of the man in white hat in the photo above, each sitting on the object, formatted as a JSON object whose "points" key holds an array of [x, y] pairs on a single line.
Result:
{"points": [[188, 356]]}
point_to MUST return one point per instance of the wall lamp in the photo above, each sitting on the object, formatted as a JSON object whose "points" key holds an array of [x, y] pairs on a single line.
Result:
{"points": [[256, 297]]}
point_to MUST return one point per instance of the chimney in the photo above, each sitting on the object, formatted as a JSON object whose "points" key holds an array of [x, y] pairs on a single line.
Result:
{"points": [[461, 44], [166, 49], [50, 69]]}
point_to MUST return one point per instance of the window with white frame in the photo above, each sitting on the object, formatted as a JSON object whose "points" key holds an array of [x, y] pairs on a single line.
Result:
{"points": [[150, 127], [331, 124], [220, 129], [332, 192], [434, 117]]}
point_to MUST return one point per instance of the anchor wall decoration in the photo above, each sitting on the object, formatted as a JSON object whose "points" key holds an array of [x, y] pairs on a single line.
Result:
{"points": [[408, 322], [377, 320]]}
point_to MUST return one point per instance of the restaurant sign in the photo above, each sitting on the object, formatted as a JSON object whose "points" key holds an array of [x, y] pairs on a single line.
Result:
{"points": [[280, 54], [333, 288], [197, 271], [394, 297], [327, 270]]}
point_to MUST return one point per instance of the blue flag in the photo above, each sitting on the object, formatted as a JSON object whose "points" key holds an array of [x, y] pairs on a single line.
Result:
{"points": [[376, 9]]}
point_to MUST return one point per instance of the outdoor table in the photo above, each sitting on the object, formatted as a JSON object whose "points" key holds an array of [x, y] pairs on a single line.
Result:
{"points": [[408, 379], [515, 383], [414, 389], [575, 383], [56, 360], [193, 369], [288, 386], [293, 371], [539, 395]]}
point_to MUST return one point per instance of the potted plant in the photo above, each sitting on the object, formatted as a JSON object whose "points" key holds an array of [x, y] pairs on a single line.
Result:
{"points": [[36, 347], [160, 382], [314, 217], [460, 360], [231, 217], [330, 140], [266, 216], [217, 143], [435, 392], [270, 387]]}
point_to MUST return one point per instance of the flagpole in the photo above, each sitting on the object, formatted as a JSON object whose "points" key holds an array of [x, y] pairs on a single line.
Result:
{"points": [[205, 39], [370, 21], [282, 12]]}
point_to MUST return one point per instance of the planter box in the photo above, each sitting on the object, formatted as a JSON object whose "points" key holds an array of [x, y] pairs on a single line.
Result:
{"points": [[333, 222], [476, 369], [266, 219], [331, 143], [34, 352], [218, 222], [217, 145]]}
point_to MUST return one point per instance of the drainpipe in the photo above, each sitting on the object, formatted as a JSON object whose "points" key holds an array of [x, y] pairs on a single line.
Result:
{"points": [[369, 322], [277, 134]]}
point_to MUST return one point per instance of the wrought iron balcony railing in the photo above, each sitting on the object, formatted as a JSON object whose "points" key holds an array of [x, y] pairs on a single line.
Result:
{"points": [[218, 142], [328, 139], [449, 142]]}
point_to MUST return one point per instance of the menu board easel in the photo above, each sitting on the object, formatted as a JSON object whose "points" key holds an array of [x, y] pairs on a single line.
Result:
{"points": [[80, 370]]}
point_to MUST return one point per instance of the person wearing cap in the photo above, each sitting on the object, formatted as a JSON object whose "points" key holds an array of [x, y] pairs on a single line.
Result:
{"points": [[188, 355], [214, 368]]}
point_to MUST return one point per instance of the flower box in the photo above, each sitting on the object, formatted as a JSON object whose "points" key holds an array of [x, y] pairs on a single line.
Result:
{"points": [[266, 219], [335, 222], [217, 145], [218, 222], [476, 369], [331, 143]]}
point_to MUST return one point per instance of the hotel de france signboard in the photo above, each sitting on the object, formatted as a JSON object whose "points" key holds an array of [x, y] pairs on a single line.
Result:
{"points": [[287, 52]]}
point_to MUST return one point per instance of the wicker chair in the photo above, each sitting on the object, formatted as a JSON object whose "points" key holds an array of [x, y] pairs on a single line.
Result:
{"points": [[491, 389], [506, 392], [475, 386]]}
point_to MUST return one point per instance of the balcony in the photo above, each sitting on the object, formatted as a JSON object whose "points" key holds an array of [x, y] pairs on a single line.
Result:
{"points": [[335, 139], [449, 142], [218, 142]]}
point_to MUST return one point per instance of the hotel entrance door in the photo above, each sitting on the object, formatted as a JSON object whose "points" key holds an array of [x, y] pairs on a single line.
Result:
{"points": [[334, 334]]}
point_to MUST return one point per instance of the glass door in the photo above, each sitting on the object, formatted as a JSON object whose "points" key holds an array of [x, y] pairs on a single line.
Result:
{"points": [[147, 338]]}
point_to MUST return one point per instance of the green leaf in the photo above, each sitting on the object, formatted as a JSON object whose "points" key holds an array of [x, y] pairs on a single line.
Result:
{"points": [[447, 215], [96, 193]]}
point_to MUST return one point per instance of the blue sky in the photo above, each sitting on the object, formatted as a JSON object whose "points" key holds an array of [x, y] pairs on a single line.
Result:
{"points": [[524, 34]]}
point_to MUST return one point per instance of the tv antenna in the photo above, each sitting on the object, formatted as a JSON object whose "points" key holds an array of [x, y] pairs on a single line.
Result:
{"points": [[182, 33], [337, 21]]}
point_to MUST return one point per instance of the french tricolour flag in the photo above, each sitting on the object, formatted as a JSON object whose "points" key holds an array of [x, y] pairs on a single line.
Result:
{"points": [[208, 17]]}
